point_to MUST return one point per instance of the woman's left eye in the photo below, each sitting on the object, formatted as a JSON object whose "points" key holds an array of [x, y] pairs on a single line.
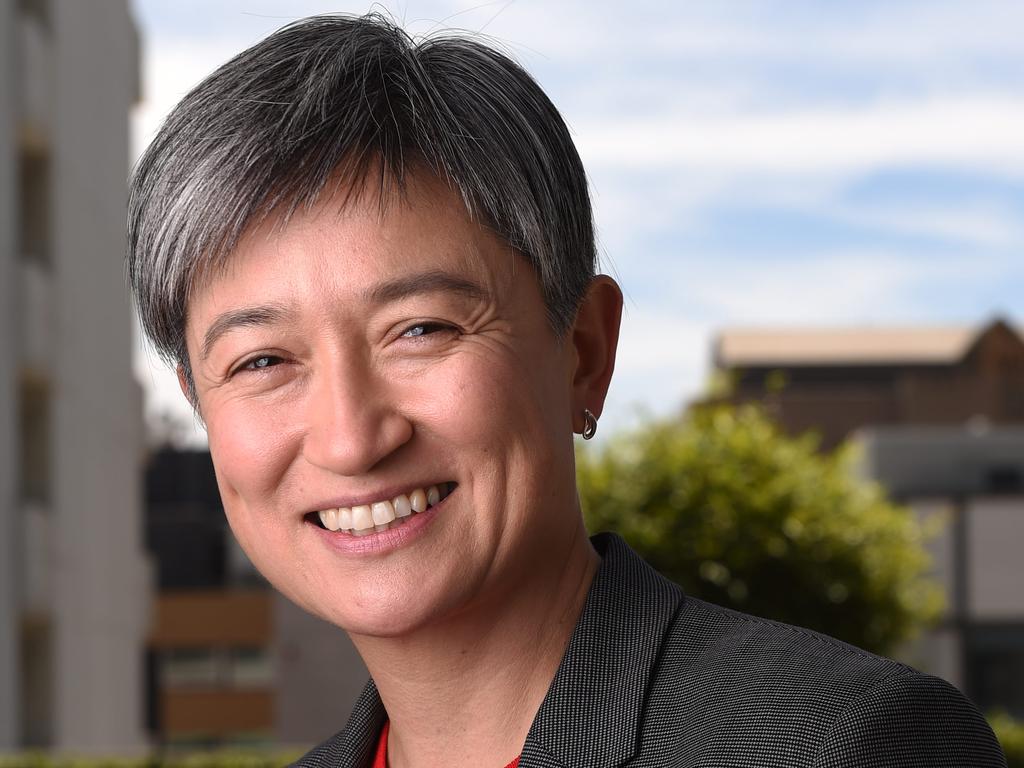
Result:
{"points": [[259, 363]]}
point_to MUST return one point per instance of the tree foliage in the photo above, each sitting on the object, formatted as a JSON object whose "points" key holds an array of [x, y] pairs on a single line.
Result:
{"points": [[742, 515]]}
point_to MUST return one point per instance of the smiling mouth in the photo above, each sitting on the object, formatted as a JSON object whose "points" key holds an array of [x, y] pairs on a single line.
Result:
{"points": [[382, 515]]}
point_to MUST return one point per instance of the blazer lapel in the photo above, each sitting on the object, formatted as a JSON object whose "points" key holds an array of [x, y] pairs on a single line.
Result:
{"points": [[592, 713]]}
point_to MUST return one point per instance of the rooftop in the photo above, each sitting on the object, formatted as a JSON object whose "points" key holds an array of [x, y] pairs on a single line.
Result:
{"points": [[737, 347]]}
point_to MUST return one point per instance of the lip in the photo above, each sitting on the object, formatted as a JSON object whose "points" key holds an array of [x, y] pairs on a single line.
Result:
{"points": [[381, 542], [386, 494]]}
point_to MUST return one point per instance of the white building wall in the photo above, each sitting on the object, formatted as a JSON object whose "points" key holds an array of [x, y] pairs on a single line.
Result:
{"points": [[995, 551], [99, 579], [9, 534], [939, 651], [73, 583], [941, 513]]}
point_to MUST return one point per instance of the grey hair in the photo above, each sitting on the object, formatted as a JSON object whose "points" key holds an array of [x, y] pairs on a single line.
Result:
{"points": [[339, 100]]}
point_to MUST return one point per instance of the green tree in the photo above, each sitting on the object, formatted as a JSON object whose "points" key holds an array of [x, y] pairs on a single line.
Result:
{"points": [[742, 515]]}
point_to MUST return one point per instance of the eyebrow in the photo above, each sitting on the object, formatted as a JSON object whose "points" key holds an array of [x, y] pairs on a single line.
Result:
{"points": [[433, 281], [247, 317]]}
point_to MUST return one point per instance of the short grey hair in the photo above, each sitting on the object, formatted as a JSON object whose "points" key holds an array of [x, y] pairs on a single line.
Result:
{"points": [[334, 100]]}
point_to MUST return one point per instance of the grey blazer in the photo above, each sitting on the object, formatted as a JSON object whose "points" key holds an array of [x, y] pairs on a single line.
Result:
{"points": [[652, 677]]}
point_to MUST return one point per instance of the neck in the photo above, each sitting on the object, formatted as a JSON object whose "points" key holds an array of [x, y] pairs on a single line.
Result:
{"points": [[465, 692]]}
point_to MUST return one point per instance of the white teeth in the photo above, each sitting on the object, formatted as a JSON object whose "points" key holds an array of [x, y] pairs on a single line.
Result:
{"points": [[418, 500], [381, 515], [383, 512], [362, 518], [402, 506], [345, 519], [329, 517]]}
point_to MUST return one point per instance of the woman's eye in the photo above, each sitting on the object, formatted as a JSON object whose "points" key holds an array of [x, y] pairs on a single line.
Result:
{"points": [[424, 329], [259, 363]]}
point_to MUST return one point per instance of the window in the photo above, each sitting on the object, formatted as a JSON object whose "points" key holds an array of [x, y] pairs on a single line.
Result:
{"points": [[36, 9], [181, 668], [250, 668], [995, 667], [221, 668], [34, 207], [34, 440]]}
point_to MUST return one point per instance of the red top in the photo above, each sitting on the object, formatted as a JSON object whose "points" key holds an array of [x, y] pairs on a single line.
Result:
{"points": [[381, 760]]}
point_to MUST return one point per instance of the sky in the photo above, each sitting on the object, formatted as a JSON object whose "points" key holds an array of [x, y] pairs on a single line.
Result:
{"points": [[796, 163]]}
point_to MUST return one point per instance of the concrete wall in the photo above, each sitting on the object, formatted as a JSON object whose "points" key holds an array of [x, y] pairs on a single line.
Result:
{"points": [[9, 535], [939, 651], [319, 675], [100, 580], [940, 461]]}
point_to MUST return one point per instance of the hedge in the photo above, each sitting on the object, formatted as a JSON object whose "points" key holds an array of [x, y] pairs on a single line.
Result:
{"points": [[1010, 733]]}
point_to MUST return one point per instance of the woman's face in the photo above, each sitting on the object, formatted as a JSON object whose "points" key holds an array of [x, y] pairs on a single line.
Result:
{"points": [[352, 358]]}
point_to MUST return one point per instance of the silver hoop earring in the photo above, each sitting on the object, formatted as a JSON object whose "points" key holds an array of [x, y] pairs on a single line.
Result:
{"points": [[589, 424]]}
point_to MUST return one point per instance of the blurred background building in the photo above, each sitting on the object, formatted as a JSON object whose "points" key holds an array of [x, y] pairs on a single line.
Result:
{"points": [[835, 381], [938, 414], [230, 660], [74, 583]]}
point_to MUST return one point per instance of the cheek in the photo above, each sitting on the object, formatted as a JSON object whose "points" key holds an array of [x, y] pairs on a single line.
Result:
{"points": [[251, 452], [493, 402]]}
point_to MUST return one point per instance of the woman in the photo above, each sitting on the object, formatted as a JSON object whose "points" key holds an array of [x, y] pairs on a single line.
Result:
{"points": [[373, 264]]}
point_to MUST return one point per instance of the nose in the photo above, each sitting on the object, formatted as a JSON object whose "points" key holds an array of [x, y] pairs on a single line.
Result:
{"points": [[354, 421]]}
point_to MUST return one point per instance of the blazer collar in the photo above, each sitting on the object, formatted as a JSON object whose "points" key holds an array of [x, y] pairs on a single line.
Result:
{"points": [[592, 713]]}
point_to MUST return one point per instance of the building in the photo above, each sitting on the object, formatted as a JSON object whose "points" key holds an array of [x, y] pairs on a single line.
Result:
{"points": [[835, 381], [74, 583], [231, 661], [939, 417]]}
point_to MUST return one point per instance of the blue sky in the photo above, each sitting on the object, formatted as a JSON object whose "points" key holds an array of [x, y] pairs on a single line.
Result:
{"points": [[752, 163]]}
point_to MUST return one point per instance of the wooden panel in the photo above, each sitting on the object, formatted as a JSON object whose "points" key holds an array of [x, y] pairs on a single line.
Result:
{"points": [[240, 618], [215, 712]]}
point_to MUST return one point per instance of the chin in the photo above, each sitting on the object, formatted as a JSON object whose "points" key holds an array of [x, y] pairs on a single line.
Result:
{"points": [[372, 611]]}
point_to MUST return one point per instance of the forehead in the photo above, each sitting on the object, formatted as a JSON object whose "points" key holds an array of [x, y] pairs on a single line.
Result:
{"points": [[354, 237]]}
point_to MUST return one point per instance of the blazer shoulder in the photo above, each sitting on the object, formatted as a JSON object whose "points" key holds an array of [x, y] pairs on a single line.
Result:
{"points": [[914, 720], [730, 686], [781, 652]]}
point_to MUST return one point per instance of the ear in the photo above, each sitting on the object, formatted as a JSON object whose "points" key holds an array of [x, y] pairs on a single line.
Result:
{"points": [[595, 337]]}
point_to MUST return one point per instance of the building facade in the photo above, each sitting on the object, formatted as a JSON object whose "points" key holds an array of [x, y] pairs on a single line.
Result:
{"points": [[74, 586]]}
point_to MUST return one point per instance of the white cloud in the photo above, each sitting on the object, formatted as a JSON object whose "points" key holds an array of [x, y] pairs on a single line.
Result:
{"points": [[982, 132], [839, 287], [965, 224]]}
